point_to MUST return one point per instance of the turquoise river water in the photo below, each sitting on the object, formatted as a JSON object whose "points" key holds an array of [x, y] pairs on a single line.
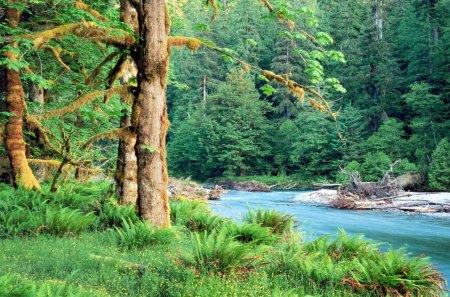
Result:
{"points": [[421, 235]]}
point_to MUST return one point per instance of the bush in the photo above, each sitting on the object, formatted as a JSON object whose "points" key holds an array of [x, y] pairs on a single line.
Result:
{"points": [[66, 221], [113, 215], [220, 252], [279, 223], [440, 166], [140, 235], [251, 233], [183, 210], [395, 274], [343, 247]]}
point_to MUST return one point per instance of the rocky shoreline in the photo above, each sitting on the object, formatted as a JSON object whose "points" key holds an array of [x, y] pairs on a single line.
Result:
{"points": [[414, 202]]}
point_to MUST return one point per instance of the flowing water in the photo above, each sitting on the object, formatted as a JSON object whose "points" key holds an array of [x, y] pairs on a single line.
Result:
{"points": [[419, 234]]}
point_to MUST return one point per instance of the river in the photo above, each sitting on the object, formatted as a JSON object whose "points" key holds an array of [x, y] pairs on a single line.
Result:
{"points": [[419, 234]]}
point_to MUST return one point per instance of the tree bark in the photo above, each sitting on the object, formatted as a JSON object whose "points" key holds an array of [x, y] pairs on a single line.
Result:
{"points": [[152, 60], [15, 100], [126, 169]]}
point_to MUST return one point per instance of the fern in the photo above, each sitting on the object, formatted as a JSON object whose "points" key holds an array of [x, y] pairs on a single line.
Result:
{"points": [[278, 222], [140, 235]]}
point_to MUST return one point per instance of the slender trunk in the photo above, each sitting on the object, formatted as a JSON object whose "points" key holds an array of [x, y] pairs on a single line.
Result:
{"points": [[152, 123], [126, 169], [15, 100]]}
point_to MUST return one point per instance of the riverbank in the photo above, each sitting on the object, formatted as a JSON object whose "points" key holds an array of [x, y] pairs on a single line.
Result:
{"points": [[82, 243], [416, 202]]}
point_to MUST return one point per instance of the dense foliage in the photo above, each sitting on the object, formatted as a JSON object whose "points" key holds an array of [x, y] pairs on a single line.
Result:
{"points": [[396, 105], [261, 257]]}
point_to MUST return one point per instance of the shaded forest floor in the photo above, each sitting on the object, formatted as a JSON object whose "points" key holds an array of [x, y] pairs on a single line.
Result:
{"points": [[79, 242]]}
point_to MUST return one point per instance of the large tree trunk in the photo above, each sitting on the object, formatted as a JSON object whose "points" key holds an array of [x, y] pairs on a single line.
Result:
{"points": [[152, 123], [126, 169], [15, 99]]}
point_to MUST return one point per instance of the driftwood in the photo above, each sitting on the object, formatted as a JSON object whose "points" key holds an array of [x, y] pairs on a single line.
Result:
{"points": [[359, 190]]}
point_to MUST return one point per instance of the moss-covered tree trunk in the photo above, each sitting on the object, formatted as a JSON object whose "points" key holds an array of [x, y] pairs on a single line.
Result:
{"points": [[126, 169], [152, 61], [15, 99]]}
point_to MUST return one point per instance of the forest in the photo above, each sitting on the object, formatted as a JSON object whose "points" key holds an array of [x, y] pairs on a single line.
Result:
{"points": [[102, 101]]}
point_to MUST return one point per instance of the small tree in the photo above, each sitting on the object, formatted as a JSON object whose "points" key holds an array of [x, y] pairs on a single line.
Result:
{"points": [[440, 166]]}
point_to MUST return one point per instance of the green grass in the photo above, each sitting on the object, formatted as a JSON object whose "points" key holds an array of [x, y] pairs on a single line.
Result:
{"points": [[100, 249]]}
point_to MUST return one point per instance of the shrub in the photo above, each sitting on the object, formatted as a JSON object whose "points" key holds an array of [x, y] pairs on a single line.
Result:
{"points": [[204, 222], [278, 222], [112, 215], [141, 234], [19, 221], [251, 233], [395, 274], [220, 252], [66, 221], [343, 247], [183, 210]]}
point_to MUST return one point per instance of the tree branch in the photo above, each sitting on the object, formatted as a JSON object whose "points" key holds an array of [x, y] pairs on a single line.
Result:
{"points": [[97, 69], [110, 134], [123, 90], [88, 30], [93, 12]]}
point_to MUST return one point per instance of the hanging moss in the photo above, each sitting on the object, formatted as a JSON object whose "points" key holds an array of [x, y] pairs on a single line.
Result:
{"points": [[87, 30], [180, 41], [122, 90]]}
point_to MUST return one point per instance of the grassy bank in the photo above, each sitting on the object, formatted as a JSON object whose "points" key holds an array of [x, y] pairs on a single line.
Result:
{"points": [[81, 243]]}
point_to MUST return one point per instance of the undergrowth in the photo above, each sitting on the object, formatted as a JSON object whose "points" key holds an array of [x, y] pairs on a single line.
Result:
{"points": [[80, 242]]}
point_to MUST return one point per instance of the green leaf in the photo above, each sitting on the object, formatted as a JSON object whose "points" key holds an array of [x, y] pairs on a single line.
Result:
{"points": [[268, 90]]}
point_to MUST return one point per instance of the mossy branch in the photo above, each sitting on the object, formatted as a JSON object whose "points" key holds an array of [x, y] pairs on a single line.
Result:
{"points": [[189, 42], [215, 8], [281, 17], [93, 12], [77, 104], [41, 133], [50, 163], [110, 134], [97, 69], [88, 30], [56, 52]]}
